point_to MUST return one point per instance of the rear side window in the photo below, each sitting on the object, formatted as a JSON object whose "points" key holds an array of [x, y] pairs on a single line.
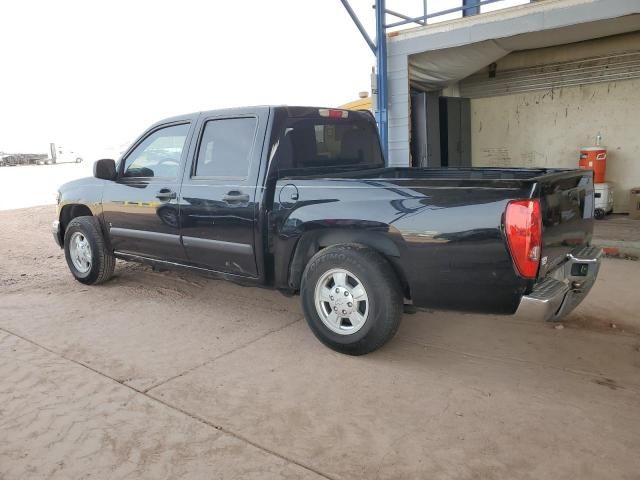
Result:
{"points": [[225, 149], [325, 142]]}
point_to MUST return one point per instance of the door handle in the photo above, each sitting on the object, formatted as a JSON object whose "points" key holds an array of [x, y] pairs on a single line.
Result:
{"points": [[166, 194], [235, 196]]}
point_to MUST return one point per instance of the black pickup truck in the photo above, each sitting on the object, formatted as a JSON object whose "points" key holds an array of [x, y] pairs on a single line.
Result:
{"points": [[299, 199]]}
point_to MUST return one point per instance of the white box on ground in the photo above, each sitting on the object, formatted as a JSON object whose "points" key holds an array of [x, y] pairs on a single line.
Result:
{"points": [[603, 199]]}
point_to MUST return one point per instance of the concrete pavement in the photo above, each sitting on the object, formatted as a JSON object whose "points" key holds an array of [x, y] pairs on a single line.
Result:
{"points": [[619, 235], [165, 375]]}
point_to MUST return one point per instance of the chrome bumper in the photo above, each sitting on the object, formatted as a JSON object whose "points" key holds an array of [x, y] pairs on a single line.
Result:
{"points": [[55, 229], [564, 288]]}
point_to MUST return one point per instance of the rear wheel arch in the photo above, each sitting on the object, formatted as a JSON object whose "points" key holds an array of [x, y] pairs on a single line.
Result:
{"points": [[314, 241], [351, 298]]}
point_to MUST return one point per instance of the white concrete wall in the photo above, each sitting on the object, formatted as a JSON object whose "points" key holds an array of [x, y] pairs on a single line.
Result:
{"points": [[398, 111], [547, 128]]}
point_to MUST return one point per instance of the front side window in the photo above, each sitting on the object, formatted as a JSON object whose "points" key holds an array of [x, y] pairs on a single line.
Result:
{"points": [[159, 154], [225, 149]]}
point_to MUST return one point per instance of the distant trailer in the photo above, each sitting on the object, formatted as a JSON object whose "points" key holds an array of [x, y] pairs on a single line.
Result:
{"points": [[14, 159], [57, 155]]}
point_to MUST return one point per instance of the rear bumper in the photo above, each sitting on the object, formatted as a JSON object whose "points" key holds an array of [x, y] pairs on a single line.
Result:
{"points": [[564, 288]]}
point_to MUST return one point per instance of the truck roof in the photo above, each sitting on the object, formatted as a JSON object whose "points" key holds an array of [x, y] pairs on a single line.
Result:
{"points": [[293, 110]]}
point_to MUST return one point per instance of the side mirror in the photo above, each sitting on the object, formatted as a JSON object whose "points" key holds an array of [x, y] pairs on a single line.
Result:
{"points": [[105, 169]]}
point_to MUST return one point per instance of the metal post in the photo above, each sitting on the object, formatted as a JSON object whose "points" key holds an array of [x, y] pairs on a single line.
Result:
{"points": [[381, 60], [358, 24], [403, 16], [470, 7]]}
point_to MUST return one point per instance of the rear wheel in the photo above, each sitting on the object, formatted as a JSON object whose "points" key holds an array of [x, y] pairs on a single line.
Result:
{"points": [[599, 213], [351, 299], [87, 256]]}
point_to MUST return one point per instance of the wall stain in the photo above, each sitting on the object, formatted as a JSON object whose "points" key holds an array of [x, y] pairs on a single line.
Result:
{"points": [[498, 156], [533, 159]]}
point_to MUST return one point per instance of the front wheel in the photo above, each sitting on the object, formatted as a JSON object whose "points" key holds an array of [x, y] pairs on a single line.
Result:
{"points": [[351, 298], [87, 256]]}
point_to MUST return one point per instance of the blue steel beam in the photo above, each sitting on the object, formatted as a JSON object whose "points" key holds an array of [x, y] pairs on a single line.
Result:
{"points": [[380, 51], [470, 7], [443, 12], [381, 59], [359, 26], [403, 16]]}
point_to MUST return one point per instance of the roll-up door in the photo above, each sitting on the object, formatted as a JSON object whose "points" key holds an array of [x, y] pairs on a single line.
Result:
{"points": [[580, 72]]}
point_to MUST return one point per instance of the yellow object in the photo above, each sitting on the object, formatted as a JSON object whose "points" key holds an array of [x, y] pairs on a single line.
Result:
{"points": [[360, 104]]}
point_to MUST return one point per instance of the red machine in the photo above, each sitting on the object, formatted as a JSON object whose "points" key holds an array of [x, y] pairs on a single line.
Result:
{"points": [[594, 158]]}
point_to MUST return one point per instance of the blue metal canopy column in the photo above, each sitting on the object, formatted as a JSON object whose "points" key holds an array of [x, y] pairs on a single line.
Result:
{"points": [[381, 61], [379, 49]]}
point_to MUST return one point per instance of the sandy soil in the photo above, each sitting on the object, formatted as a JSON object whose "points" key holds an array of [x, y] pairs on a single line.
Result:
{"points": [[166, 375]]}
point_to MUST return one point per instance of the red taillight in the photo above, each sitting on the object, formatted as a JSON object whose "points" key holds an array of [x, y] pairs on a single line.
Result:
{"points": [[523, 226], [326, 112]]}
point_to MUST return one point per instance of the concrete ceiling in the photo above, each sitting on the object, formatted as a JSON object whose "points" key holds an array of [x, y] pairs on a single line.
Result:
{"points": [[442, 55]]}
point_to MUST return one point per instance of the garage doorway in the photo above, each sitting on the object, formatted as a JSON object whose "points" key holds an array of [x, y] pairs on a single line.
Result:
{"points": [[440, 130]]}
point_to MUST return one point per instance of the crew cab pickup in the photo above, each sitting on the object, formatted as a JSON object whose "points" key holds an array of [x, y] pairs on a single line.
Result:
{"points": [[299, 199]]}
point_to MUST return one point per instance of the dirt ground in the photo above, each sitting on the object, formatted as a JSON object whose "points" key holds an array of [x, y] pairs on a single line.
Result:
{"points": [[166, 375]]}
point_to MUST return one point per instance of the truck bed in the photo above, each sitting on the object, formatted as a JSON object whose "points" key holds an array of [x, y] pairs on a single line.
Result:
{"points": [[439, 174], [449, 223]]}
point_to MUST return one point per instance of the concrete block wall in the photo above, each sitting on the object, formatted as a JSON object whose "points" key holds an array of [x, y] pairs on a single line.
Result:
{"points": [[548, 128]]}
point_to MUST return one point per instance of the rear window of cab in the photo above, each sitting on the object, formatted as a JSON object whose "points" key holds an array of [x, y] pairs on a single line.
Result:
{"points": [[324, 141]]}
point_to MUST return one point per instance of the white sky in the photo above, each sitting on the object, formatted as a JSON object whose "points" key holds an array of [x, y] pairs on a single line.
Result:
{"points": [[92, 75]]}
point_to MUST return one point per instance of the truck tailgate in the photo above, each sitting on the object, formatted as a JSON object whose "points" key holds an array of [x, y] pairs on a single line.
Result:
{"points": [[566, 201]]}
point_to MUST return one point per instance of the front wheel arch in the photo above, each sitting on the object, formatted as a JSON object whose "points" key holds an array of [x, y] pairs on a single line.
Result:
{"points": [[68, 213], [99, 259]]}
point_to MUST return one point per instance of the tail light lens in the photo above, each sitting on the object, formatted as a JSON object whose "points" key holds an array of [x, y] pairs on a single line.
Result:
{"points": [[331, 113], [523, 225]]}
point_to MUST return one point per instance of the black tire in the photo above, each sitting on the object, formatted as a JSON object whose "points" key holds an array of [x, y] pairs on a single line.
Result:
{"points": [[102, 260], [599, 213], [383, 290]]}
